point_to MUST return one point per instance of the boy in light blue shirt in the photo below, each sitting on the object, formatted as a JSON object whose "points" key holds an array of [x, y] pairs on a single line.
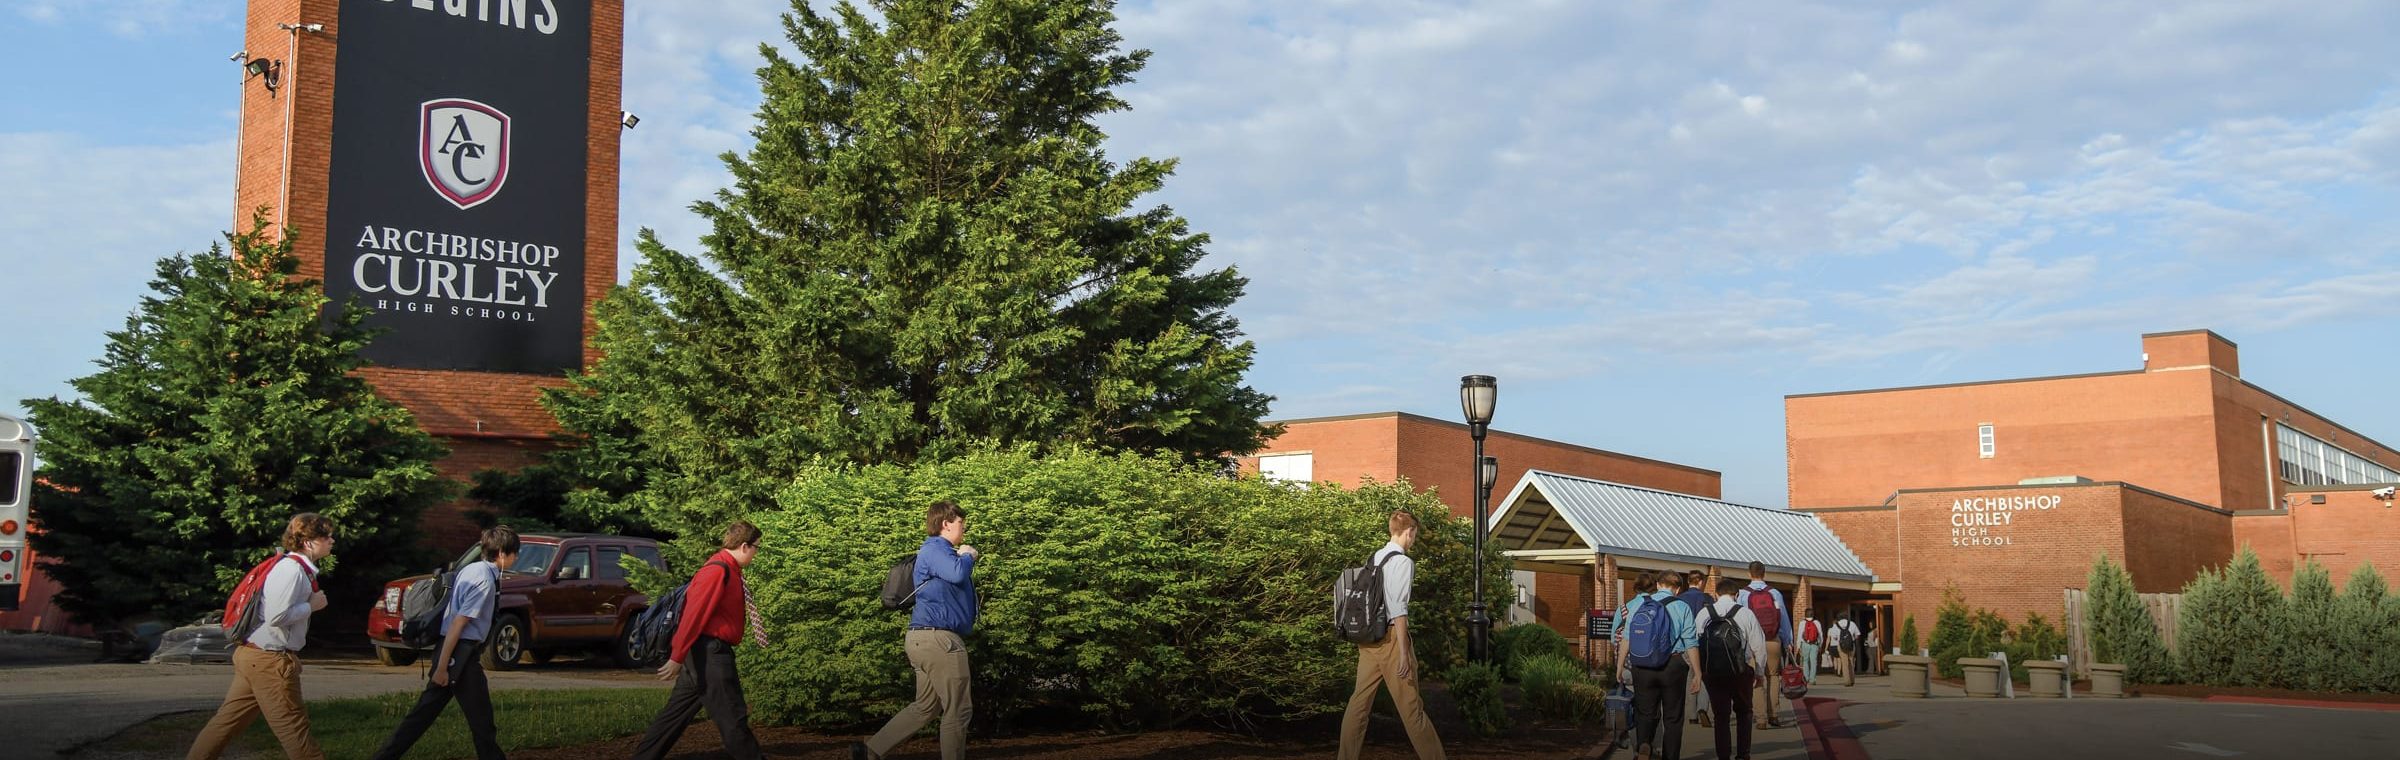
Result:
{"points": [[1659, 693], [458, 670]]}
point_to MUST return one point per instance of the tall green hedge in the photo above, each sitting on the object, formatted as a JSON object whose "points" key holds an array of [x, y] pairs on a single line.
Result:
{"points": [[2368, 623], [2231, 629], [1144, 591], [2313, 651], [2120, 629]]}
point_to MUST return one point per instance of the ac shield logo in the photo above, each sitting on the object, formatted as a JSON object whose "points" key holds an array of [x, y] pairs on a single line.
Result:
{"points": [[463, 147]]}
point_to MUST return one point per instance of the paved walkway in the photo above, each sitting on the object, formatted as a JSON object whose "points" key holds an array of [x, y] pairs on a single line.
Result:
{"points": [[1951, 726], [53, 708]]}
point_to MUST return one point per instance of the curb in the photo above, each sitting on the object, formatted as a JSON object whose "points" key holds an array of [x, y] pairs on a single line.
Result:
{"points": [[2329, 705], [1824, 733]]}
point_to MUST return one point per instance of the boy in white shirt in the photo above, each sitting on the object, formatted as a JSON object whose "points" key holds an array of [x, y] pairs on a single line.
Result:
{"points": [[1729, 692], [266, 666]]}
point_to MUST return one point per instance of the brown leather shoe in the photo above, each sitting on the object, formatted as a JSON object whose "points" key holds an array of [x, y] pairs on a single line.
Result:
{"points": [[1703, 720]]}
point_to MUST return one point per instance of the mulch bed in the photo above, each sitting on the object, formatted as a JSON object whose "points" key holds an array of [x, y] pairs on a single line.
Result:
{"points": [[1531, 736]]}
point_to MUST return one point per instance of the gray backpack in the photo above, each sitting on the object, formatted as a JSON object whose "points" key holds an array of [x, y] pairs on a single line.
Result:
{"points": [[1360, 613]]}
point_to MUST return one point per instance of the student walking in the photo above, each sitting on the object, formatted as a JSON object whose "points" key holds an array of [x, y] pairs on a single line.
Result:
{"points": [[1846, 638], [1659, 655], [458, 670], [717, 611], [1733, 653], [1691, 587], [1775, 622], [1812, 639], [937, 647], [1392, 663], [266, 665]]}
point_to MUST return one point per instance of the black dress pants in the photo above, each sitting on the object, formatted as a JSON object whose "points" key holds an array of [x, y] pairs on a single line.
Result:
{"points": [[474, 694], [1730, 699], [708, 680], [1658, 696]]}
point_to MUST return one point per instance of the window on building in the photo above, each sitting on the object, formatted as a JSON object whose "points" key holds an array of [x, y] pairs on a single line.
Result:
{"points": [[1288, 468], [2310, 461], [1983, 437]]}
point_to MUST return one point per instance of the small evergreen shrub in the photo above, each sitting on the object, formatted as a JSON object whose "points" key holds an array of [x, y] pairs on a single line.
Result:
{"points": [[1909, 643], [1513, 645], [2119, 627], [1476, 689]]}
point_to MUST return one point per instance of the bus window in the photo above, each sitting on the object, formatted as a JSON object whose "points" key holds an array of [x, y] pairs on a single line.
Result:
{"points": [[10, 463]]}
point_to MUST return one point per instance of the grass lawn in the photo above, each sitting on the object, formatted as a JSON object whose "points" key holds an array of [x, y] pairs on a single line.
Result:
{"points": [[350, 729]]}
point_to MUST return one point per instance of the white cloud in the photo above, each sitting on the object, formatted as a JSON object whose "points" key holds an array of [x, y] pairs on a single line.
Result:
{"points": [[79, 233], [129, 18]]}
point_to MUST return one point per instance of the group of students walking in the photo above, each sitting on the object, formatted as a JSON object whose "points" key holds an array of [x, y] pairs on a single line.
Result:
{"points": [[1674, 640], [719, 614]]}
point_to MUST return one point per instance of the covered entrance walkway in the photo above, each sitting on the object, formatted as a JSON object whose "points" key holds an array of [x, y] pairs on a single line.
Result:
{"points": [[1598, 537]]}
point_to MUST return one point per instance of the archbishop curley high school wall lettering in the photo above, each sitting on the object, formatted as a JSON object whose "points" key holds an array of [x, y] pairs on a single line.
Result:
{"points": [[455, 202]]}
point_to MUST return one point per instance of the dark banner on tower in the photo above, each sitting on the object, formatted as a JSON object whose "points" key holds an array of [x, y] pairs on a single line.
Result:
{"points": [[455, 209]]}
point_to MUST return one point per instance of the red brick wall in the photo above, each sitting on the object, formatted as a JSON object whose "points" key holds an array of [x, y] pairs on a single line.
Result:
{"points": [[1349, 451], [1438, 455], [2350, 529], [2269, 533], [2048, 552], [2167, 542], [489, 419], [2155, 429], [1434, 454], [2188, 349], [1872, 533]]}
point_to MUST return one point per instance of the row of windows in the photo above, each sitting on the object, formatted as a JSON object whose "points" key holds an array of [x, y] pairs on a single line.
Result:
{"points": [[2309, 461]]}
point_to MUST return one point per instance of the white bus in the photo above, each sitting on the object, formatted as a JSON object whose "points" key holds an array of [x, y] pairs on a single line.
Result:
{"points": [[16, 491]]}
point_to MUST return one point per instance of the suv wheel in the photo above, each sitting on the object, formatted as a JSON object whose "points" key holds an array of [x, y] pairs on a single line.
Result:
{"points": [[394, 656], [620, 651], [506, 647]]}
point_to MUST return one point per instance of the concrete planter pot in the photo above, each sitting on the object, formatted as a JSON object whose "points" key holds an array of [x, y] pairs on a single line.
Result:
{"points": [[1911, 675], [2048, 678], [2108, 681], [1983, 676]]}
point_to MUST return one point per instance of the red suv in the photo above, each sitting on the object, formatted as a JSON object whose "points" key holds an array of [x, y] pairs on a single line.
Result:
{"points": [[567, 591]]}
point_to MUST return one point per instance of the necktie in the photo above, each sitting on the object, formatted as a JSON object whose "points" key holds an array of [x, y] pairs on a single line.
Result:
{"points": [[758, 626]]}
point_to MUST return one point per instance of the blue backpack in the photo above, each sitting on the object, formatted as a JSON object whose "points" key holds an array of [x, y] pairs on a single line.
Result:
{"points": [[1649, 636]]}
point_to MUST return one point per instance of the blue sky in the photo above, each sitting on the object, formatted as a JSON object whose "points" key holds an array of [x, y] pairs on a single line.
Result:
{"points": [[1651, 220]]}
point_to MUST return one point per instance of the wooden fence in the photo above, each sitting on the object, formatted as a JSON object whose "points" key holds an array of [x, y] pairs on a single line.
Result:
{"points": [[2164, 610]]}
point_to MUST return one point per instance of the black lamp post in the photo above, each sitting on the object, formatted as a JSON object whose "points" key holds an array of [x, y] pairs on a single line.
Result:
{"points": [[1476, 396]]}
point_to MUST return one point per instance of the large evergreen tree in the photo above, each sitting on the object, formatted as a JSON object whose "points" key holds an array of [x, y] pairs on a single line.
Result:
{"points": [[224, 407], [2232, 626], [2119, 627], [2312, 655], [2368, 627], [926, 249]]}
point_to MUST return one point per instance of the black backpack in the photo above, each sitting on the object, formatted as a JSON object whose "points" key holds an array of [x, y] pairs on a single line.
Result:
{"points": [[1724, 652], [1360, 613], [421, 608], [900, 586], [654, 629]]}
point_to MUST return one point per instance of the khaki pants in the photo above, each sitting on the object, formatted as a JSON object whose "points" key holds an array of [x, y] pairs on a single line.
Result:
{"points": [[1770, 686], [1388, 664], [264, 684], [940, 660]]}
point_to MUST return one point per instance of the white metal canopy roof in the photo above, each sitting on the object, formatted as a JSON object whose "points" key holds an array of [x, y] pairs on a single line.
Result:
{"points": [[1551, 511]]}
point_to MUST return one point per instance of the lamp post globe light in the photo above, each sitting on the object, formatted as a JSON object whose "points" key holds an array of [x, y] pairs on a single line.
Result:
{"points": [[1476, 396]]}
